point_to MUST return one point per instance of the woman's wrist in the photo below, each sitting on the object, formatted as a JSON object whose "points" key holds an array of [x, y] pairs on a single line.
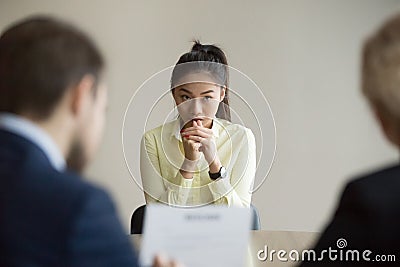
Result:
{"points": [[215, 165], [188, 168], [186, 174]]}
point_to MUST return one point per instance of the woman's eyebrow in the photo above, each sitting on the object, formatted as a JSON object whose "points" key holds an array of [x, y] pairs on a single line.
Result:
{"points": [[185, 90], [206, 92]]}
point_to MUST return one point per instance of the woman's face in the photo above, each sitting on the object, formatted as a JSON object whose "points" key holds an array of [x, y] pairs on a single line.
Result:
{"points": [[198, 101]]}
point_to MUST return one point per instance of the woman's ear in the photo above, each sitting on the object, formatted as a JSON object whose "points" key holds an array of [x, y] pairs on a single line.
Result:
{"points": [[222, 95]]}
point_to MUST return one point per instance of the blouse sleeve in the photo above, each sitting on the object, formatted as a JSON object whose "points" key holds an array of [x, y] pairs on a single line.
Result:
{"points": [[156, 188], [235, 189]]}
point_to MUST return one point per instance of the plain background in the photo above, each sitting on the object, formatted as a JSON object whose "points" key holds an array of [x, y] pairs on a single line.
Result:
{"points": [[304, 55]]}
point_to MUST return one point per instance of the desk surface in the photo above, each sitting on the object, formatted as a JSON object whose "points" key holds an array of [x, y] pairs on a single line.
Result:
{"points": [[273, 240]]}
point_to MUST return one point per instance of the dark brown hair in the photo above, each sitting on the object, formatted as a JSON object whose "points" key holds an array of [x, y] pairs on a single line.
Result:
{"points": [[212, 60], [40, 58]]}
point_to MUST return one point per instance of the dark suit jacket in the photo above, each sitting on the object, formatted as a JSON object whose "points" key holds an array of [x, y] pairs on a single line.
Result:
{"points": [[49, 218], [368, 218]]}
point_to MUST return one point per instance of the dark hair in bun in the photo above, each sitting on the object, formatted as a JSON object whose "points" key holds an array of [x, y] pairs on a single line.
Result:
{"points": [[210, 59]]}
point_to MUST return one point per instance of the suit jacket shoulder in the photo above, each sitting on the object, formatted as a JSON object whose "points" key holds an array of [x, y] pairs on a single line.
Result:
{"points": [[367, 217], [50, 218]]}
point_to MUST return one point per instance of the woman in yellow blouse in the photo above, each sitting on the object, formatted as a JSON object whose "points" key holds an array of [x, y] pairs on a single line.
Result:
{"points": [[201, 157]]}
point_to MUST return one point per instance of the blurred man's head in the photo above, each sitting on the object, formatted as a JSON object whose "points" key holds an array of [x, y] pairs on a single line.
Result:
{"points": [[50, 73], [381, 77]]}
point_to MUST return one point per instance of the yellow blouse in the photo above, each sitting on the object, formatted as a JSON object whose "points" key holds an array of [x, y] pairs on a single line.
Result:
{"points": [[162, 155]]}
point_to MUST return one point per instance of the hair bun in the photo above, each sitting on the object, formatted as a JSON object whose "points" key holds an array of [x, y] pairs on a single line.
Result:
{"points": [[198, 47], [208, 52], [204, 48]]}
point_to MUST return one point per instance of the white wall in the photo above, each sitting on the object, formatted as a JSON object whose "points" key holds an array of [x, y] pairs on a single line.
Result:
{"points": [[304, 55]]}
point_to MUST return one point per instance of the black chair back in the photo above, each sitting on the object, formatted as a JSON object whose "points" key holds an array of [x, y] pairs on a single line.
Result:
{"points": [[137, 220]]}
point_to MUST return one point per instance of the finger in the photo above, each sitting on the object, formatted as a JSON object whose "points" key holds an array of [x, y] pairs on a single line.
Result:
{"points": [[196, 133], [199, 129], [196, 138], [194, 145], [190, 129], [159, 260], [176, 264], [201, 132], [193, 127]]}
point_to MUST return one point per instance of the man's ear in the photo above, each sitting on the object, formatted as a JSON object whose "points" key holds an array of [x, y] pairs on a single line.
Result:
{"points": [[388, 124], [81, 95]]}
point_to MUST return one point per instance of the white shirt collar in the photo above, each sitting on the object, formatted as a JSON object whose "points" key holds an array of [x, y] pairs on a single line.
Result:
{"points": [[25, 128]]}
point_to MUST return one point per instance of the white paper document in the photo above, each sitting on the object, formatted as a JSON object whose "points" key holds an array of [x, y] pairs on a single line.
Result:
{"points": [[212, 236]]}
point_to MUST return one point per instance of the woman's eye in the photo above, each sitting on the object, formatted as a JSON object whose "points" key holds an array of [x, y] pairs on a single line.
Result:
{"points": [[185, 97], [207, 98]]}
